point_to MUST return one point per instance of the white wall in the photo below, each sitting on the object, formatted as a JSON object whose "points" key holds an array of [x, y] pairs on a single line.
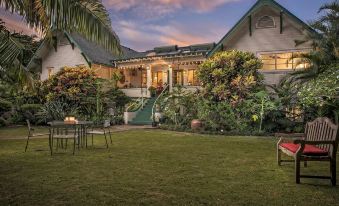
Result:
{"points": [[65, 56], [136, 92]]}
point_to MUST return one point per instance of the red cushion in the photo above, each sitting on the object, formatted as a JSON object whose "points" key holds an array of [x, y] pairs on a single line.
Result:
{"points": [[308, 150]]}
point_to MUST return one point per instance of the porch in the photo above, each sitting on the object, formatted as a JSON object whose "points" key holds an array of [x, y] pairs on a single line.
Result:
{"points": [[136, 81]]}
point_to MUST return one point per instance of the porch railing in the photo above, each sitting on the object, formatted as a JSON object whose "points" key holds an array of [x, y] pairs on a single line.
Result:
{"points": [[156, 101]]}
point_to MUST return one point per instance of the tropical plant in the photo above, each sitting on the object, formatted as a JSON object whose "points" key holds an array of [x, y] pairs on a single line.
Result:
{"points": [[231, 76], [325, 42], [179, 106], [56, 110], [261, 104], [87, 17], [321, 94]]}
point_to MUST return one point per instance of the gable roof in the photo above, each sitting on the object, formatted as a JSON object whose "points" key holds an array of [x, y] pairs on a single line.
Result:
{"points": [[92, 52], [98, 54], [255, 7]]}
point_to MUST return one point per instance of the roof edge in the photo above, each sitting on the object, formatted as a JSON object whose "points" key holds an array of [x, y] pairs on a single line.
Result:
{"points": [[256, 6]]}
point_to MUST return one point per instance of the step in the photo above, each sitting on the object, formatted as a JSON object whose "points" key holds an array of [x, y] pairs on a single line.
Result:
{"points": [[140, 122]]}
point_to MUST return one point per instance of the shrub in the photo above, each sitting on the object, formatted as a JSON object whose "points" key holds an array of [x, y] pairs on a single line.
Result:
{"points": [[56, 110], [231, 76]]}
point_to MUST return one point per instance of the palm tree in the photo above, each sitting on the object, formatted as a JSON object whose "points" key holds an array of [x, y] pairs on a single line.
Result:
{"points": [[325, 43], [87, 17]]}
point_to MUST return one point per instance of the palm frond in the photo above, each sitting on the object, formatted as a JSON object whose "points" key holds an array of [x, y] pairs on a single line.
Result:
{"points": [[87, 17], [333, 6], [12, 5], [10, 48]]}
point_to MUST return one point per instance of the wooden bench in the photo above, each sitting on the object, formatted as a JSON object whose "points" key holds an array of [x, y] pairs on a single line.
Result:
{"points": [[319, 143]]}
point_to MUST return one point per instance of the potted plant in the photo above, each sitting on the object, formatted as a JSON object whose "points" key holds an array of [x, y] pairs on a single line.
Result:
{"points": [[152, 91], [196, 124]]}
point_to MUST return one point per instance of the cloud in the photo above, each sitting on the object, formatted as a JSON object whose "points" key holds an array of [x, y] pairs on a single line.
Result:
{"points": [[151, 8], [15, 23], [147, 36]]}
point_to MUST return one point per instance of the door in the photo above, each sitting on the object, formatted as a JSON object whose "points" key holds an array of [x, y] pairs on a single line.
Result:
{"points": [[157, 79]]}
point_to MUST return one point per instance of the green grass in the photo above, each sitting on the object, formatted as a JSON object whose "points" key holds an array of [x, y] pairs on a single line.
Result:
{"points": [[155, 167]]}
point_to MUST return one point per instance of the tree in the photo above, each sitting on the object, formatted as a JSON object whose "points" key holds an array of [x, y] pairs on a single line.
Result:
{"points": [[325, 43], [87, 17]]}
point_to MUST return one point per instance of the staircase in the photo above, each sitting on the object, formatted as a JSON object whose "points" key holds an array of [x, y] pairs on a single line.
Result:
{"points": [[144, 116]]}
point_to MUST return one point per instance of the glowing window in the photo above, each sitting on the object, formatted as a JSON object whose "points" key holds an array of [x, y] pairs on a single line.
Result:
{"points": [[283, 61], [50, 71], [192, 78]]}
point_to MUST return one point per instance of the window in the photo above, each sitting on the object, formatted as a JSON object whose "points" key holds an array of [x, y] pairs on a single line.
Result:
{"points": [[192, 78], [50, 71], [178, 77], [144, 78], [283, 61], [265, 22]]}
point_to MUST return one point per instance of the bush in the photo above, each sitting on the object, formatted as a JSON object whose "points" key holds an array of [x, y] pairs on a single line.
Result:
{"points": [[71, 85], [319, 97], [5, 105], [231, 76]]}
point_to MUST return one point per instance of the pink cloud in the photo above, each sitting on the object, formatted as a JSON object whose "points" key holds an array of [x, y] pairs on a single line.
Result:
{"points": [[15, 23], [163, 7], [147, 36]]}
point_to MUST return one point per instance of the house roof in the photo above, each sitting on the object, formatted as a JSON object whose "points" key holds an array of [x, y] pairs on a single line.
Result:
{"points": [[92, 52], [171, 51], [96, 53], [255, 7]]}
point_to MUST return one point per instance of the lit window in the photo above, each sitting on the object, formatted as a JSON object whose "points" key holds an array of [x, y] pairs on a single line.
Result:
{"points": [[283, 61], [178, 77], [50, 71], [192, 78]]}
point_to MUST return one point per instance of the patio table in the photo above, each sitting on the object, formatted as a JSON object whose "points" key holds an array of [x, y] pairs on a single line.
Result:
{"points": [[81, 127]]}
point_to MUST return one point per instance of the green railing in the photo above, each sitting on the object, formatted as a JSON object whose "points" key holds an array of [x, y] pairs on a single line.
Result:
{"points": [[155, 103], [138, 104]]}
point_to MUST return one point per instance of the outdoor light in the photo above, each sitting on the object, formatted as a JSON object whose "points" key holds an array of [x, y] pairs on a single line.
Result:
{"points": [[70, 119]]}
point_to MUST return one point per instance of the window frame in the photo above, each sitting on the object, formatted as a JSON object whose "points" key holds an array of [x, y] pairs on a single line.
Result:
{"points": [[275, 53], [265, 27]]}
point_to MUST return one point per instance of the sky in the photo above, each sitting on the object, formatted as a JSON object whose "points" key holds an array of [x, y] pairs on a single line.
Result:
{"points": [[145, 24]]}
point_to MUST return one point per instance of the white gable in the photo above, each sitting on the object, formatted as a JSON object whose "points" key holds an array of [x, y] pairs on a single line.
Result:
{"points": [[64, 56]]}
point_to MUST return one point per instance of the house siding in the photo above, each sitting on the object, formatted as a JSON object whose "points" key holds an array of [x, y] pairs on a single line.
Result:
{"points": [[268, 39], [64, 56]]}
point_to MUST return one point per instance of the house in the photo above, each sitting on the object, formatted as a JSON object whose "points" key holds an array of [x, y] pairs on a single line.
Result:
{"points": [[267, 29], [73, 50]]}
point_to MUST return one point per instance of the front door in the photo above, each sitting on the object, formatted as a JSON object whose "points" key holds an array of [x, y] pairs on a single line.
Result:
{"points": [[157, 79]]}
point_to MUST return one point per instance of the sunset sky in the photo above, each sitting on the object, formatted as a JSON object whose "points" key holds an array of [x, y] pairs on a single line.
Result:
{"points": [[144, 24]]}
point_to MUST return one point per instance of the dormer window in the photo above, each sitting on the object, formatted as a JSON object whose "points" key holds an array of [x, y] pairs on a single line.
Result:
{"points": [[265, 22]]}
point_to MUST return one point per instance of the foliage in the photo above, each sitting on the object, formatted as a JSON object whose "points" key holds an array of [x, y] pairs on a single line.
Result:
{"points": [[79, 87], [152, 90], [178, 106], [230, 76], [325, 42], [56, 110], [71, 84], [87, 17], [322, 93]]}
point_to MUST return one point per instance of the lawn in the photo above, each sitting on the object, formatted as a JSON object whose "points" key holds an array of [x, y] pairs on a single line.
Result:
{"points": [[155, 167]]}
